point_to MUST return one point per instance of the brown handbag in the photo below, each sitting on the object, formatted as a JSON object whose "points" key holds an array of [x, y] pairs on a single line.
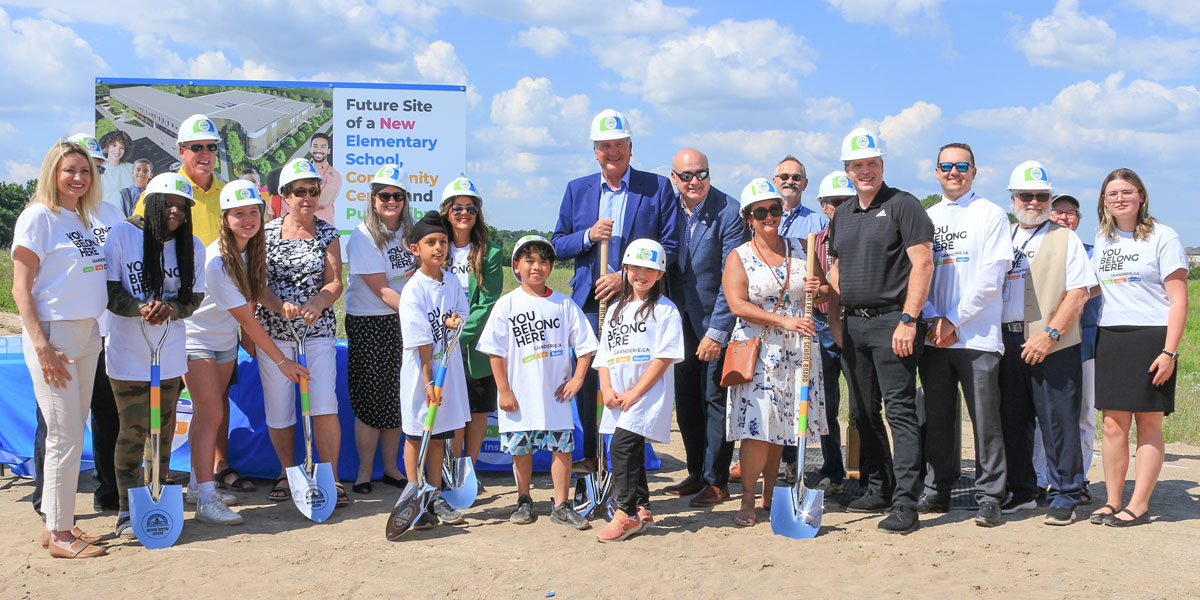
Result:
{"points": [[741, 355]]}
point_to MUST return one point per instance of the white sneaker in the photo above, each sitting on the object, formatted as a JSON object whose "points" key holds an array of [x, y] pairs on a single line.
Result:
{"points": [[829, 487], [215, 512], [193, 496]]}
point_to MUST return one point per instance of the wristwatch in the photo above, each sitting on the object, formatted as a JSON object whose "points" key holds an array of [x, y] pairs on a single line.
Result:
{"points": [[1053, 333], [1173, 355], [906, 318]]}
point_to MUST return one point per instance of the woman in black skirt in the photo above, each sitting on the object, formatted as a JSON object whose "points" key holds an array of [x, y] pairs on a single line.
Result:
{"points": [[380, 265], [1143, 279]]}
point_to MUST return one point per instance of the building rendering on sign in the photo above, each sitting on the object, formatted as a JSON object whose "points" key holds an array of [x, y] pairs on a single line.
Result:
{"points": [[263, 119]]}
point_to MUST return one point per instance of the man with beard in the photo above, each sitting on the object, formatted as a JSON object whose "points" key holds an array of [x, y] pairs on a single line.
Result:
{"points": [[321, 149], [1041, 371]]}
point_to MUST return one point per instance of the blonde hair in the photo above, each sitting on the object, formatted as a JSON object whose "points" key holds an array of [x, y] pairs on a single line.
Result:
{"points": [[1145, 222], [46, 192]]}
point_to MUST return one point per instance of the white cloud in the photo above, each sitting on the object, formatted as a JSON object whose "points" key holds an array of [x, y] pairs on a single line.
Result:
{"points": [[903, 16], [546, 42], [45, 65], [1071, 39], [440, 64], [1173, 12], [214, 65], [530, 115], [7, 131], [911, 130], [585, 18], [20, 172]]}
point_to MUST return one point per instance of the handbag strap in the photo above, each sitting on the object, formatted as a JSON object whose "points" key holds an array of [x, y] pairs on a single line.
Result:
{"points": [[787, 279]]}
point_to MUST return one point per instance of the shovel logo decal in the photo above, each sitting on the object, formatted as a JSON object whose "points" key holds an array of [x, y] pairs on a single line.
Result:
{"points": [[157, 523], [315, 498]]}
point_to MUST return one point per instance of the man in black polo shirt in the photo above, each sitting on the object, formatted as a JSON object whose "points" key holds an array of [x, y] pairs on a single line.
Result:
{"points": [[882, 246]]}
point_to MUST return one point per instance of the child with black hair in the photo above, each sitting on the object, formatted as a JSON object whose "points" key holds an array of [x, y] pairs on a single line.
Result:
{"points": [[529, 336], [640, 338], [152, 279]]}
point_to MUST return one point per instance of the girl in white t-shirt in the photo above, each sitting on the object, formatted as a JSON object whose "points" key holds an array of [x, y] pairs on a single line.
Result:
{"points": [[1142, 270], [640, 338], [58, 287], [152, 281], [380, 266], [235, 271]]}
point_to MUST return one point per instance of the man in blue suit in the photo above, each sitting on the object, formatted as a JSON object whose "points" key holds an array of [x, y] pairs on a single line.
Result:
{"points": [[618, 204], [710, 228]]}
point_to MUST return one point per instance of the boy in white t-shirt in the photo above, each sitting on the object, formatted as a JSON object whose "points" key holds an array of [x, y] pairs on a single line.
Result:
{"points": [[530, 336], [429, 307]]}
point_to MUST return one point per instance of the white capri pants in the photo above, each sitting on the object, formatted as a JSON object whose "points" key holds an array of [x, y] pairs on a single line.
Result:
{"points": [[65, 411], [280, 397]]}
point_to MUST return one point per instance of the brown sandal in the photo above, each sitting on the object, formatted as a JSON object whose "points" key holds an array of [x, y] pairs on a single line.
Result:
{"points": [[77, 532], [77, 549], [741, 520]]}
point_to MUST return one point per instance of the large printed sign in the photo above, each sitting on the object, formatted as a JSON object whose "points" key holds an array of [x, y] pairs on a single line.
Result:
{"points": [[348, 131]]}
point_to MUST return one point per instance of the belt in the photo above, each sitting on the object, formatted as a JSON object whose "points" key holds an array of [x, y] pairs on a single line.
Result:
{"points": [[874, 311], [1014, 327]]}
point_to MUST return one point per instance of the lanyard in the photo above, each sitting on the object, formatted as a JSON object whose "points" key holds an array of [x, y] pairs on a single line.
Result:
{"points": [[787, 221], [1019, 254]]}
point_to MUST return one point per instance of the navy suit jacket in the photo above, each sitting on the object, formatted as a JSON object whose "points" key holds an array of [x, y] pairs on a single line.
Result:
{"points": [[695, 283], [650, 212]]}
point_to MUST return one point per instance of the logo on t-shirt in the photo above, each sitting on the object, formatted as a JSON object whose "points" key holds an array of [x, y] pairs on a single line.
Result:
{"points": [[137, 278], [88, 247], [527, 328], [401, 259], [944, 241], [1112, 260], [101, 233]]}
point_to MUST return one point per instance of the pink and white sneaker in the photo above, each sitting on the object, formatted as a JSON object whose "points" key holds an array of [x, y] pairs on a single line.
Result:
{"points": [[645, 519], [621, 527]]}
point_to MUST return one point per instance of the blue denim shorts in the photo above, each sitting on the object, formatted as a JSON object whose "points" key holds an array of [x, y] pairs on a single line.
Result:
{"points": [[222, 356]]}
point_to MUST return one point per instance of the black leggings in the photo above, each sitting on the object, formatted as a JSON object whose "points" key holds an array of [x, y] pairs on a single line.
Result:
{"points": [[628, 453]]}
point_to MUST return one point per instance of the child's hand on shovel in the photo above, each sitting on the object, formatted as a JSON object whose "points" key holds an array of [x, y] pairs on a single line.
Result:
{"points": [[431, 398], [292, 370], [453, 321]]}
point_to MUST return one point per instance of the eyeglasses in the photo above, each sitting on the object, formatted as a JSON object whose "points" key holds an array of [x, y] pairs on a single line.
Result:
{"points": [[201, 147], [392, 196], [961, 166], [470, 208], [301, 192], [1122, 194], [1064, 213], [835, 201], [1031, 197], [687, 176], [793, 176], [760, 213]]}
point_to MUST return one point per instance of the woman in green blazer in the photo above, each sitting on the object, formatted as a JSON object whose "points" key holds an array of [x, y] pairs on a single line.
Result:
{"points": [[476, 261]]}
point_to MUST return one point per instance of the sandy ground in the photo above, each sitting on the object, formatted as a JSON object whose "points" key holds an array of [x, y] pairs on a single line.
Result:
{"points": [[688, 553], [10, 323]]}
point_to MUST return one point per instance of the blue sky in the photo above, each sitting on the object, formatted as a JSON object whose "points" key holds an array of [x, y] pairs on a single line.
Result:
{"points": [[1085, 87]]}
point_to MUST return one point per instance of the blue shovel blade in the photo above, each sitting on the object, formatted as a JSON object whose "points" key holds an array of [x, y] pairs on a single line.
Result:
{"points": [[463, 486], [796, 512], [156, 524], [314, 496]]}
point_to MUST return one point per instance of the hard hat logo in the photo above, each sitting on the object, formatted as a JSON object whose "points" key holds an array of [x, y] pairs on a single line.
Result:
{"points": [[244, 194], [647, 254], [464, 184], [610, 124], [183, 187], [841, 182], [386, 172], [861, 142], [762, 187], [1035, 174], [303, 167], [203, 125], [91, 144]]}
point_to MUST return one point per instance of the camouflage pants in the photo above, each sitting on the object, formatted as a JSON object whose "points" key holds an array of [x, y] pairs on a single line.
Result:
{"points": [[133, 442]]}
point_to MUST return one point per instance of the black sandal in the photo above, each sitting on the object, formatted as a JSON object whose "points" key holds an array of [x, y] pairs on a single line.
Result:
{"points": [[239, 484], [1097, 518], [362, 488], [342, 499], [279, 493], [1113, 521]]}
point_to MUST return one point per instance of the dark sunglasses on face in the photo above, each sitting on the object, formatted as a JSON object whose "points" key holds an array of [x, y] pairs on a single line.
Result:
{"points": [[834, 202], [201, 147], [470, 208], [793, 176], [309, 191], [1030, 196], [687, 176], [960, 166], [392, 196], [760, 213]]}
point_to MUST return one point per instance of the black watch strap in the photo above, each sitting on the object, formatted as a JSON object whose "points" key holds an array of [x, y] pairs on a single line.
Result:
{"points": [[1173, 355]]}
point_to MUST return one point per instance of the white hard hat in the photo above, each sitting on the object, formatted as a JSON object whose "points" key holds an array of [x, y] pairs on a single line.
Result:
{"points": [[836, 185], [645, 253], [295, 170], [757, 190], [460, 187], [525, 241], [390, 174], [88, 143], [609, 125], [862, 143], [197, 128], [1029, 176], [171, 183], [240, 192]]}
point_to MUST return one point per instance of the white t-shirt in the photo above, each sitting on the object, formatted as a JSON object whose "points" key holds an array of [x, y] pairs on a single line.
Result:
{"points": [[1025, 243], [109, 215], [126, 354], [971, 253], [394, 261], [70, 281], [460, 265], [212, 327], [1131, 276], [424, 305], [627, 345], [535, 335]]}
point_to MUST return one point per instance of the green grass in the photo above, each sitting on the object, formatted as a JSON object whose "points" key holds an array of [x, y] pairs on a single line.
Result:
{"points": [[6, 283]]}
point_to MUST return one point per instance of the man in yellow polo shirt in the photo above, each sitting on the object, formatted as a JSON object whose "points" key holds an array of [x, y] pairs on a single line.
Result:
{"points": [[198, 144]]}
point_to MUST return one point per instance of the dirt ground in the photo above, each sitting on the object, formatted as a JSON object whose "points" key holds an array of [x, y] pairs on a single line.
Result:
{"points": [[688, 553]]}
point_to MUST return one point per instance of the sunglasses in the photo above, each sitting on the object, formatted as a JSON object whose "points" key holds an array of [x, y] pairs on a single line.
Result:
{"points": [[202, 147], [470, 208], [960, 166], [392, 196], [1030, 196], [687, 176], [760, 213], [301, 192], [834, 202], [793, 176]]}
